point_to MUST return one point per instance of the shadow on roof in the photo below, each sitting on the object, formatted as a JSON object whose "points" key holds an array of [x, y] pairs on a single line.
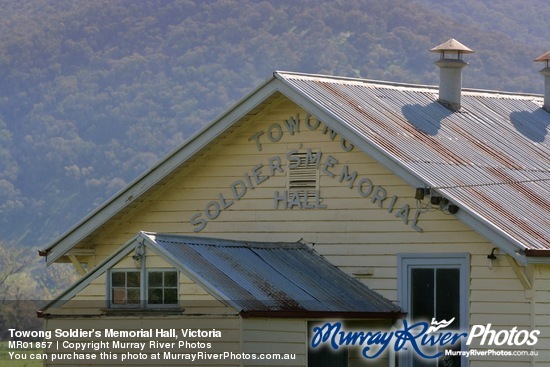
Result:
{"points": [[532, 125], [426, 118]]}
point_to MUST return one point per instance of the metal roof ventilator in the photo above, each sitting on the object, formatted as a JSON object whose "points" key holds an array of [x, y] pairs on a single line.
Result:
{"points": [[546, 72], [450, 72]]}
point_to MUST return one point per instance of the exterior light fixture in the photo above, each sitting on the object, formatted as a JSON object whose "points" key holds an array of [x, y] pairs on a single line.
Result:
{"points": [[453, 209], [491, 258], [435, 200], [421, 192]]}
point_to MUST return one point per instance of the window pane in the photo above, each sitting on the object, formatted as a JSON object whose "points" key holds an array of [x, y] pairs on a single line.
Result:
{"points": [[125, 288], [118, 296], [133, 279], [118, 279], [162, 287], [422, 295], [171, 296], [448, 296], [133, 296], [170, 278], [155, 279], [154, 296]]}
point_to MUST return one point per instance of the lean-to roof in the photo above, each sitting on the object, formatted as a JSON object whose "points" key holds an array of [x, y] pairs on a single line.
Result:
{"points": [[273, 278], [257, 279]]}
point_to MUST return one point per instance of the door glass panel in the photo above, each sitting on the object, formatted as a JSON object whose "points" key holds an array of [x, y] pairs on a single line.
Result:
{"points": [[325, 356], [422, 296], [435, 293], [447, 296]]}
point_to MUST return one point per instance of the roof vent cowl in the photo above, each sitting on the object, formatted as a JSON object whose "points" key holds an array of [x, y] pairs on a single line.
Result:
{"points": [[450, 66], [546, 72]]}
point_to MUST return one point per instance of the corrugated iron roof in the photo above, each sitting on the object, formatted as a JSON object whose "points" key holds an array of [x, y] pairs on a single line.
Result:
{"points": [[272, 277], [492, 158]]}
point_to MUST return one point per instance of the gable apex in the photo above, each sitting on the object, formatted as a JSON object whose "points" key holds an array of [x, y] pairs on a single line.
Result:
{"points": [[461, 156]]}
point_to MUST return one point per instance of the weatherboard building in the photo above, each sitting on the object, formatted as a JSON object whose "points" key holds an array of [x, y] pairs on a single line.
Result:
{"points": [[321, 203]]}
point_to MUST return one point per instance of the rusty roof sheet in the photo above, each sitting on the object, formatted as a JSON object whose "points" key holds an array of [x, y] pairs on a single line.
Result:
{"points": [[492, 158], [272, 277]]}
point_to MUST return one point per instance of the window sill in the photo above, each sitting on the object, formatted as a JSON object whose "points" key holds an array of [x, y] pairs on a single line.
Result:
{"points": [[161, 311]]}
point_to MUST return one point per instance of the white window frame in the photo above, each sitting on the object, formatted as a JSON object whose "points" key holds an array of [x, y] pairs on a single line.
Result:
{"points": [[146, 289], [407, 262], [144, 279], [110, 288]]}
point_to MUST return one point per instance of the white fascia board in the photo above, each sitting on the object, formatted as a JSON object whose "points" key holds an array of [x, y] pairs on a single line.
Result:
{"points": [[491, 233], [478, 224], [164, 167]]}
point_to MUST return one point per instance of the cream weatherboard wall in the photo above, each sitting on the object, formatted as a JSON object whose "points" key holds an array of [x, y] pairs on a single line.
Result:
{"points": [[358, 227], [541, 311]]}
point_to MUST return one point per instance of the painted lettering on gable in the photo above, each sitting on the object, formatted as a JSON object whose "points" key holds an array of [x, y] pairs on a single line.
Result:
{"points": [[301, 200], [276, 131], [326, 164]]}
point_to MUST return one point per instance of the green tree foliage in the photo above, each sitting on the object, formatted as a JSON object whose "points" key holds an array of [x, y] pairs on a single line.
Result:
{"points": [[94, 92]]}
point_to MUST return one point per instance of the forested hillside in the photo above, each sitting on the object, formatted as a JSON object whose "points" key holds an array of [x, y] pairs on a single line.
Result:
{"points": [[94, 92]]}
